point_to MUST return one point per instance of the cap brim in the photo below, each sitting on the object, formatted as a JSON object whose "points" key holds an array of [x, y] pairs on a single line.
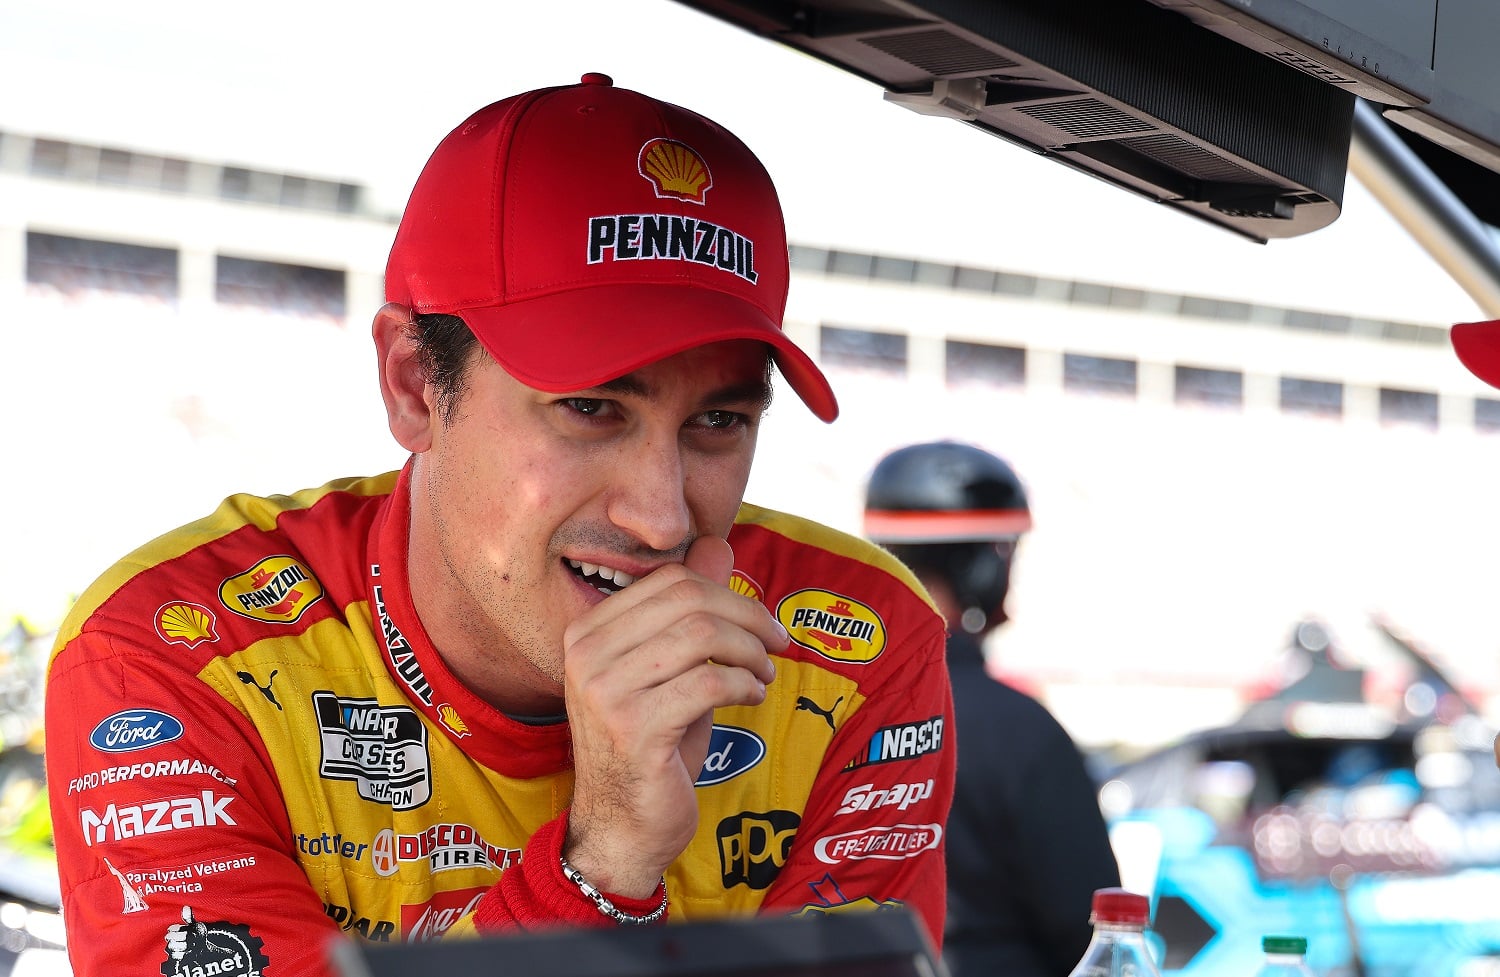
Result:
{"points": [[1478, 347], [582, 337]]}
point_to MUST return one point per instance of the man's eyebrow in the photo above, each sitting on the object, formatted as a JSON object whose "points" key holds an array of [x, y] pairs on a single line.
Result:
{"points": [[756, 391]]}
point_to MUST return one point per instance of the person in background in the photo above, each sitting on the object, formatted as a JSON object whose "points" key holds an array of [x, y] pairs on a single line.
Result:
{"points": [[1027, 844], [554, 671]]}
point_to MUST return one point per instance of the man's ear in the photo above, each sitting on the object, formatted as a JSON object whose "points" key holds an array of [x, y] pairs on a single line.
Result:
{"points": [[403, 382]]}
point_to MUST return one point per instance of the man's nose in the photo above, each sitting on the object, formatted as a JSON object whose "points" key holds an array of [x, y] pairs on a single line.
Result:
{"points": [[649, 498]]}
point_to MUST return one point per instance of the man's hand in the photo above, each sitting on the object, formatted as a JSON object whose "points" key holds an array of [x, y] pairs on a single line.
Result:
{"points": [[644, 671]]}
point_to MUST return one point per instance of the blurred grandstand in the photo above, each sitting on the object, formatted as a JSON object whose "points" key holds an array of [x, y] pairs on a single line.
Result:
{"points": [[1205, 467]]}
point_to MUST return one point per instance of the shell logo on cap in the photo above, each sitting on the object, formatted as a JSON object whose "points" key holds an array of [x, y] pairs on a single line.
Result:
{"points": [[278, 590], [184, 623], [837, 627], [675, 170]]}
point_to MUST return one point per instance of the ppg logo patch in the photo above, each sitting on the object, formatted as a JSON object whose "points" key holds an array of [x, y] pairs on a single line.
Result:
{"points": [[382, 749], [731, 751], [753, 846], [134, 729]]}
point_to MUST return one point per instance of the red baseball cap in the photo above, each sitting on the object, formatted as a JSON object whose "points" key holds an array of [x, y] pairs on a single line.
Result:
{"points": [[1478, 347], [586, 231]]}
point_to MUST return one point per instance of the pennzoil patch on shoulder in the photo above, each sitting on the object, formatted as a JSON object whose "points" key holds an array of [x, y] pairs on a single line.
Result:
{"points": [[277, 590], [837, 627]]}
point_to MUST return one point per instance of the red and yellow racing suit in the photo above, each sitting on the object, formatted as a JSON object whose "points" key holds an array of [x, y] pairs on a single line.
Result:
{"points": [[252, 746]]}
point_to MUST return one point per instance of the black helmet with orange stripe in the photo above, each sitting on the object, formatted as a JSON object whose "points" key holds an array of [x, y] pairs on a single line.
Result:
{"points": [[952, 510]]}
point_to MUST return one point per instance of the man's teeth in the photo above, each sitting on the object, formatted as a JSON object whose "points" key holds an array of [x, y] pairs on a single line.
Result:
{"points": [[620, 578]]}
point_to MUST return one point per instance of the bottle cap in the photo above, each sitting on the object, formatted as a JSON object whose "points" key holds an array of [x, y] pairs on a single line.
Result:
{"points": [[1120, 906], [1284, 944]]}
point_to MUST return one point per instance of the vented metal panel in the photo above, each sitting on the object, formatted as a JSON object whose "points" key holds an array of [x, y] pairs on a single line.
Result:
{"points": [[1087, 118], [1195, 161], [939, 52]]}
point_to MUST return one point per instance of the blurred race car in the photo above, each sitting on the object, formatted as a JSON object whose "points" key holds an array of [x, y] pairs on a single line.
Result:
{"points": [[1372, 830]]}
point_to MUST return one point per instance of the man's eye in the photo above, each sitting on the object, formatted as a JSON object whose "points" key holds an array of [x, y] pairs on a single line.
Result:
{"points": [[585, 405], [722, 419]]}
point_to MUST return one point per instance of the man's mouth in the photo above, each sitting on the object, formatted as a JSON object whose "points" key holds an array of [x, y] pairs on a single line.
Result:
{"points": [[606, 580]]}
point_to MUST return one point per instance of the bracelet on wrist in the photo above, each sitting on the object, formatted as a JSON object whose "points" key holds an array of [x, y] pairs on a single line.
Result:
{"points": [[608, 908]]}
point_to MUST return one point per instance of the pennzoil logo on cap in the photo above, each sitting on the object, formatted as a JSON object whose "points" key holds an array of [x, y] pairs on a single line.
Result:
{"points": [[834, 626], [182, 622], [278, 590], [675, 170]]}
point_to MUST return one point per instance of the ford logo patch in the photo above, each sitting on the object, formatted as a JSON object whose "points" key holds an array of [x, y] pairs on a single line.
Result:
{"points": [[134, 729], [731, 751]]}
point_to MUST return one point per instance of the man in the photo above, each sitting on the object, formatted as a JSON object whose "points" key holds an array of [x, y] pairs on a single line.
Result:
{"points": [[1027, 844], [553, 672]]}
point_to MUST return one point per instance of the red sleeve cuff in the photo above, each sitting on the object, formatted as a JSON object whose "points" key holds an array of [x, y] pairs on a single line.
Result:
{"points": [[536, 894]]}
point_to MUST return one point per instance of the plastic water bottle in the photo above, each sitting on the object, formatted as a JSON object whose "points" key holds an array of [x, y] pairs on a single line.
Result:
{"points": [[1118, 947], [1285, 957]]}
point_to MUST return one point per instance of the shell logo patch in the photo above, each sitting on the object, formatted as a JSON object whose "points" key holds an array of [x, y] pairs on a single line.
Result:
{"points": [[741, 584], [182, 622], [278, 590], [675, 170], [837, 627], [453, 720]]}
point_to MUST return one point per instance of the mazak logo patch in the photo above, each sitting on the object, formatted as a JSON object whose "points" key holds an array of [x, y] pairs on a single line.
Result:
{"points": [[731, 751], [675, 170], [116, 822], [837, 627], [134, 729], [219, 949], [753, 846], [902, 742], [184, 623], [278, 590], [381, 749], [890, 843]]}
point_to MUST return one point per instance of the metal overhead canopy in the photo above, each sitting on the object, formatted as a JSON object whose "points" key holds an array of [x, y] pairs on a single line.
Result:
{"points": [[1238, 114]]}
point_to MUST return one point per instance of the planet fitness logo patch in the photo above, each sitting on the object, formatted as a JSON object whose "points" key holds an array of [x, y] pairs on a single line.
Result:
{"points": [[221, 949], [277, 590]]}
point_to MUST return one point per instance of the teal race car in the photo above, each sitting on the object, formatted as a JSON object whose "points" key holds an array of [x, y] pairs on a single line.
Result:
{"points": [[1373, 832]]}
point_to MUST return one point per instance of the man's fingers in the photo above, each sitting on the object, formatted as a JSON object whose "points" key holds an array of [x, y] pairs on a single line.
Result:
{"points": [[712, 557]]}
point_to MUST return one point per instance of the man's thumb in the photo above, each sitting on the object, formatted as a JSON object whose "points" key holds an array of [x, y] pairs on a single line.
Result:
{"points": [[711, 557]]}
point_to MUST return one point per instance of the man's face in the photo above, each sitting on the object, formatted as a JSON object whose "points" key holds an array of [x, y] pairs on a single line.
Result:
{"points": [[530, 506]]}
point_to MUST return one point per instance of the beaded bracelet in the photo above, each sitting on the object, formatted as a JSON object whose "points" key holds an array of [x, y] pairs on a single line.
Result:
{"points": [[608, 908]]}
